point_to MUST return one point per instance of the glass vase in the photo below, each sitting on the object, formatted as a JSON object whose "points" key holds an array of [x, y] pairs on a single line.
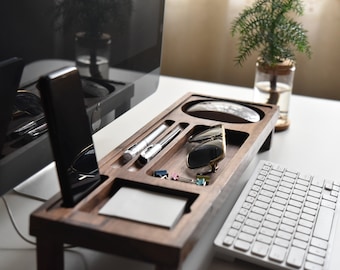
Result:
{"points": [[92, 54], [273, 85]]}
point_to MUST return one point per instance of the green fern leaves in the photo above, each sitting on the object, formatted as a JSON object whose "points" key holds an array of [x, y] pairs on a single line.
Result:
{"points": [[267, 27]]}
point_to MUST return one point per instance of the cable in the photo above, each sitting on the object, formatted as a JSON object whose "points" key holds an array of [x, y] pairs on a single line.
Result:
{"points": [[14, 224]]}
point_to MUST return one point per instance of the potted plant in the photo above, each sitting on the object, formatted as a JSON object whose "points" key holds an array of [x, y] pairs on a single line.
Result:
{"points": [[89, 19], [268, 27]]}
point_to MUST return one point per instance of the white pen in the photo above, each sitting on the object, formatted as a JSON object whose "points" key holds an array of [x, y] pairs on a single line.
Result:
{"points": [[152, 150], [135, 149]]}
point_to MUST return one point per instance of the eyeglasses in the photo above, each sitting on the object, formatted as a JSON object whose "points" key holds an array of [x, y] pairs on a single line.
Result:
{"points": [[27, 103], [85, 164], [210, 150]]}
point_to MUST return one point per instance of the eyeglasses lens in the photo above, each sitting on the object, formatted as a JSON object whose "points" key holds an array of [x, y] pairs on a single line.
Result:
{"points": [[211, 149]]}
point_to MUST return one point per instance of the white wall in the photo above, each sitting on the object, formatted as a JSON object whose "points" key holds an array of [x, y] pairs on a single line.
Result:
{"points": [[198, 45]]}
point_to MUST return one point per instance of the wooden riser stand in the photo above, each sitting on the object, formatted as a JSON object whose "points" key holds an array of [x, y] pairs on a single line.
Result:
{"points": [[54, 225]]}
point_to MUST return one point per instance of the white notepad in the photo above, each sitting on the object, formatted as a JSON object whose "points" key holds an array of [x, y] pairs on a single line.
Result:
{"points": [[145, 206]]}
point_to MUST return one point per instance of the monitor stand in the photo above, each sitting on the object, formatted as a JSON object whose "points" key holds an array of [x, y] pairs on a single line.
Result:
{"points": [[42, 185]]}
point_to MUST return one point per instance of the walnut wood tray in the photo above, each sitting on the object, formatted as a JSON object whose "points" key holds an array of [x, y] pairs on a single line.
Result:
{"points": [[54, 225]]}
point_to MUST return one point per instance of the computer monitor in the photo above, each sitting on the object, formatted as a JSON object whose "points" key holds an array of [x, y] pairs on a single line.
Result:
{"points": [[28, 31], [10, 74]]}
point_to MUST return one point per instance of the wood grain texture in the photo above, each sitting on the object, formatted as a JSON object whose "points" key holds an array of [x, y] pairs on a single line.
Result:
{"points": [[167, 248]]}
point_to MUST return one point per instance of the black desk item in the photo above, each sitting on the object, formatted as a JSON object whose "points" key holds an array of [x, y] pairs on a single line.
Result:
{"points": [[10, 74], [70, 134]]}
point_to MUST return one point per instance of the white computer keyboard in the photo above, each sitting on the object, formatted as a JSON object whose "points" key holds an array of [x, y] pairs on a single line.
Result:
{"points": [[283, 219]]}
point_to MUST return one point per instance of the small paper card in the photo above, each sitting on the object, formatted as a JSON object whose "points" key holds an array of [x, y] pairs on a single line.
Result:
{"points": [[145, 206]]}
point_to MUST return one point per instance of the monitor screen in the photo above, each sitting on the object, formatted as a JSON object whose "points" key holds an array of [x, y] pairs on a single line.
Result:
{"points": [[51, 34]]}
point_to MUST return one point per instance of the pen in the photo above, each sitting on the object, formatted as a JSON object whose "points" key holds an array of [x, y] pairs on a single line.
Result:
{"points": [[135, 149], [152, 150]]}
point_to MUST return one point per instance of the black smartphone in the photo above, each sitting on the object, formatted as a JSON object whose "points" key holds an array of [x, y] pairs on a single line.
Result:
{"points": [[70, 134]]}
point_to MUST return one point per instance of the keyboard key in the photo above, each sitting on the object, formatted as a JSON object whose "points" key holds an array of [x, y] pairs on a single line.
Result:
{"points": [[270, 225], [303, 182], [323, 224], [328, 185], [318, 182], [328, 204], [261, 204], [307, 217], [275, 212], [306, 177], [329, 198], [289, 221], [311, 205], [228, 240], [277, 206], [272, 218], [295, 257], [236, 225], [284, 235], [290, 174], [287, 228], [258, 210], [306, 223], [242, 245], [264, 238], [298, 198], [309, 211], [295, 203], [299, 192], [286, 219], [293, 209], [300, 244], [282, 195], [249, 230], [314, 194], [315, 259], [280, 200], [232, 232], [316, 242], [275, 178], [316, 189], [301, 187], [286, 184], [255, 216], [277, 253], [304, 230], [246, 237], [301, 236], [252, 223], [264, 199], [281, 242], [313, 266], [317, 251], [267, 231], [260, 249], [312, 199]]}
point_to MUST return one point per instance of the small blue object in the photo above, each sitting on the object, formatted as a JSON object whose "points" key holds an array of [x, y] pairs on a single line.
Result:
{"points": [[161, 173]]}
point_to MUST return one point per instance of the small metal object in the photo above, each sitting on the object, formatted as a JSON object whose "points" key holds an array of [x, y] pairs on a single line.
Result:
{"points": [[176, 177], [202, 180]]}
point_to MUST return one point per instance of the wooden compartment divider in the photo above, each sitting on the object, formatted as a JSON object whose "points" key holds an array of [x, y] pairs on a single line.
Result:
{"points": [[54, 225]]}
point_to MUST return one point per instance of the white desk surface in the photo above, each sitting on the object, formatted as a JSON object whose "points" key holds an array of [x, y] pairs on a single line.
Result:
{"points": [[311, 144]]}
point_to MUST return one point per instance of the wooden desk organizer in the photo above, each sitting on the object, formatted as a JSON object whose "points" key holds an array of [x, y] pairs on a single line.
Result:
{"points": [[82, 226]]}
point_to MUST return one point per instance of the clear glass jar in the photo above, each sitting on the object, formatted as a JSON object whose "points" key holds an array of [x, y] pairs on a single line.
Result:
{"points": [[93, 54], [273, 85]]}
